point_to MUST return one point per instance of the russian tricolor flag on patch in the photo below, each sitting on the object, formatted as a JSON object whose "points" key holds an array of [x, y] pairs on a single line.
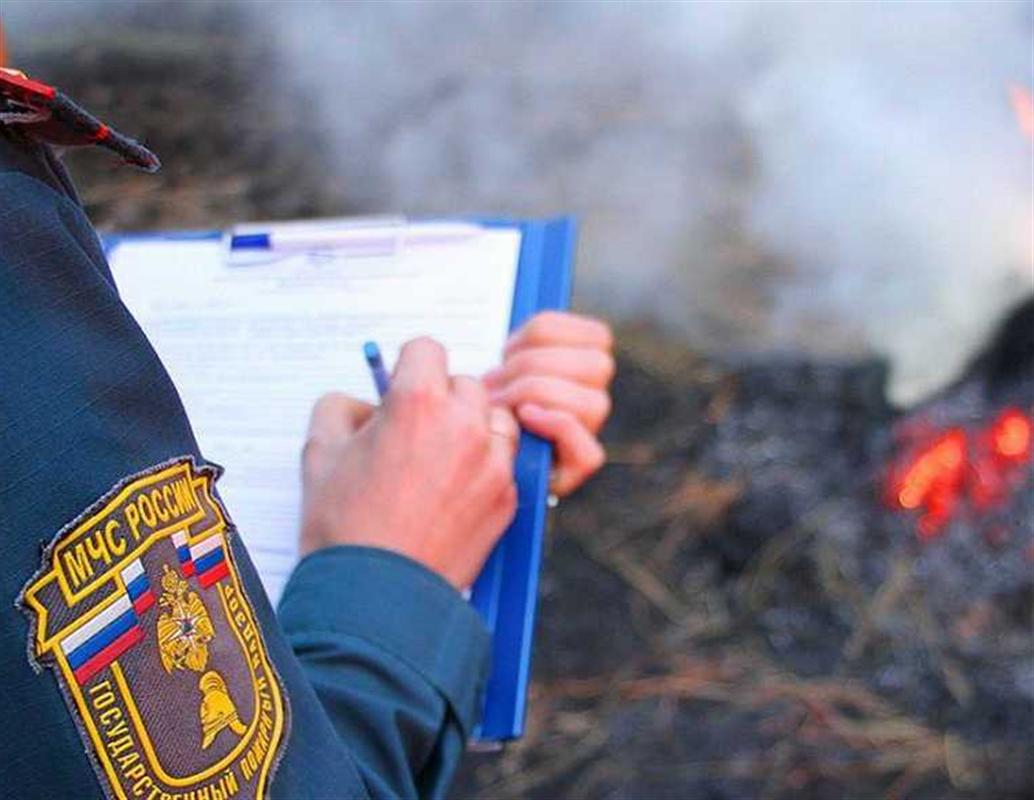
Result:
{"points": [[209, 560], [179, 539], [138, 587], [99, 642]]}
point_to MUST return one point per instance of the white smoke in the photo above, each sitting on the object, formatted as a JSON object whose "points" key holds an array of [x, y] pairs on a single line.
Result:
{"points": [[838, 177], [893, 176]]}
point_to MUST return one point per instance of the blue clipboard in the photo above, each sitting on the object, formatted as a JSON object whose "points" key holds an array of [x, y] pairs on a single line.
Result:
{"points": [[506, 592]]}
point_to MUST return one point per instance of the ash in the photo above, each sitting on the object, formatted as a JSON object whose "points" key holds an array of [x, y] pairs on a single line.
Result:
{"points": [[732, 611], [729, 610]]}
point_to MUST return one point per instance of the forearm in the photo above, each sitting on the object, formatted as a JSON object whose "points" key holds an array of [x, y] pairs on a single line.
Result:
{"points": [[397, 659]]}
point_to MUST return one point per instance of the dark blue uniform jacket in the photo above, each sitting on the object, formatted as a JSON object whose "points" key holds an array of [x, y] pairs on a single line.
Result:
{"points": [[380, 661]]}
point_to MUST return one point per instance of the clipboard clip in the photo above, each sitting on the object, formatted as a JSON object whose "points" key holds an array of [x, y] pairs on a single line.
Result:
{"points": [[359, 237]]}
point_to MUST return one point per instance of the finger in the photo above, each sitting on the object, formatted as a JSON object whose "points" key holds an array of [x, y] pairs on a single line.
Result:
{"points": [[590, 406], [422, 368], [578, 453], [497, 473], [587, 366], [503, 425], [561, 328], [472, 395], [502, 442]]}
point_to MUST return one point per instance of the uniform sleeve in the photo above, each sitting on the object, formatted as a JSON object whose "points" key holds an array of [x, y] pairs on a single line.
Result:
{"points": [[382, 662], [372, 628]]}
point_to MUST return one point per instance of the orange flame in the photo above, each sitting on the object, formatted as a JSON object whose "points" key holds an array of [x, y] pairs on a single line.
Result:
{"points": [[1023, 105], [982, 466], [933, 481]]}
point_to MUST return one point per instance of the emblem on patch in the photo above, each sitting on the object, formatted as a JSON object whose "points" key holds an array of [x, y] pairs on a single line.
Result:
{"points": [[139, 609]]}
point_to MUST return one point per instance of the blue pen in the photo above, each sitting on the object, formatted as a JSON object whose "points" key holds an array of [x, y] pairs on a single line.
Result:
{"points": [[380, 375]]}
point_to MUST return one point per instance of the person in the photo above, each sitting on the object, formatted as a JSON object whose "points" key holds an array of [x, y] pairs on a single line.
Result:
{"points": [[156, 667]]}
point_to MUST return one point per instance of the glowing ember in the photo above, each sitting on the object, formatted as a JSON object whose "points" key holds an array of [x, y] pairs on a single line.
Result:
{"points": [[933, 481], [935, 467], [1011, 435], [1023, 105], [955, 464]]}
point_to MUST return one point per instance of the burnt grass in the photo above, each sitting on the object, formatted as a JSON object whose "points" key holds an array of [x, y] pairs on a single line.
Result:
{"points": [[729, 610]]}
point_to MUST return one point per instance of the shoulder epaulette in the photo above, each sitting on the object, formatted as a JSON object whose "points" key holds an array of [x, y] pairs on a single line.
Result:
{"points": [[46, 114]]}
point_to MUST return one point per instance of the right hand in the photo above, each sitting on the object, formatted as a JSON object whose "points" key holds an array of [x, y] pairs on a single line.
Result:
{"points": [[428, 475]]}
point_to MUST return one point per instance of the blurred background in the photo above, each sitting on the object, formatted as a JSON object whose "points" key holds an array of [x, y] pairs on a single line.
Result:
{"points": [[808, 570]]}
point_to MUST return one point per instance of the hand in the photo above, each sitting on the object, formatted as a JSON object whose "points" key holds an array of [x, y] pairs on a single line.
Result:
{"points": [[428, 475], [555, 376]]}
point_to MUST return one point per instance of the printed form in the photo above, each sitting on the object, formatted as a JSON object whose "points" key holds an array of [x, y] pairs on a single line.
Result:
{"points": [[251, 346]]}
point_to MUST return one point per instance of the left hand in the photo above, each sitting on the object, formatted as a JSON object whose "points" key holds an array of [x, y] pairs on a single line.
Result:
{"points": [[555, 376]]}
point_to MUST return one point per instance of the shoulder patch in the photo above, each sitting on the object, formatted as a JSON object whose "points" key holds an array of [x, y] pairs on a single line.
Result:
{"points": [[139, 610]]}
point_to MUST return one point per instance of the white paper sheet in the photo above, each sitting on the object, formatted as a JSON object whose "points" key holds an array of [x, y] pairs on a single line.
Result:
{"points": [[250, 348]]}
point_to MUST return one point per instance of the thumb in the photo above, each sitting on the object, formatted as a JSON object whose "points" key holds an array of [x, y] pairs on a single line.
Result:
{"points": [[338, 415], [335, 418]]}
